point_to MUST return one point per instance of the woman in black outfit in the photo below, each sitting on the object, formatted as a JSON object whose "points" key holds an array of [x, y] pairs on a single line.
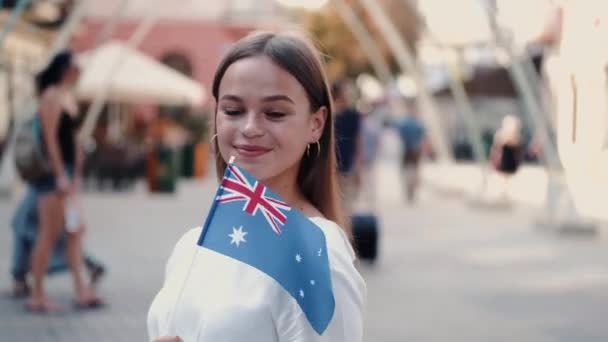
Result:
{"points": [[506, 154], [57, 111]]}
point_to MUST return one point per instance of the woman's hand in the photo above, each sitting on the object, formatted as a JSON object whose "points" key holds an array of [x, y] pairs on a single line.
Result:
{"points": [[63, 184], [168, 339], [76, 185]]}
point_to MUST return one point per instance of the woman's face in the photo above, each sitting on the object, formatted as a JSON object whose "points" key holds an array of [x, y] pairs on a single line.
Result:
{"points": [[264, 120]]}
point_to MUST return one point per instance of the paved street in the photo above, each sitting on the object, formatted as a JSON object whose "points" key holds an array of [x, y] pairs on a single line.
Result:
{"points": [[447, 271]]}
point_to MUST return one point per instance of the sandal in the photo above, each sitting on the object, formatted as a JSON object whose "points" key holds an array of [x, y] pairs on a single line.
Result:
{"points": [[89, 304], [96, 273], [44, 309], [20, 290]]}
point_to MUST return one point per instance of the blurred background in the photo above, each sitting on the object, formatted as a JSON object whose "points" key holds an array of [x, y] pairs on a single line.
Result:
{"points": [[484, 126]]}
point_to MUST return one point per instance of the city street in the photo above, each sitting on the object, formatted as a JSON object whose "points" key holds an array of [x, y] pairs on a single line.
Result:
{"points": [[447, 271]]}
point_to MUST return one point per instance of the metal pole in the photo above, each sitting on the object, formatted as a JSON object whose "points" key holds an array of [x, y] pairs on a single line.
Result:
{"points": [[541, 92], [407, 63], [365, 39], [12, 20], [452, 60], [110, 26], [63, 39]]}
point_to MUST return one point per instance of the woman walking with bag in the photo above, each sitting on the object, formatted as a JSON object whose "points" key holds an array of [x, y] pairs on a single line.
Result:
{"points": [[57, 112]]}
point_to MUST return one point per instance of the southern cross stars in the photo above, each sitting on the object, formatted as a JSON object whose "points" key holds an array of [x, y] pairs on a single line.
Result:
{"points": [[298, 258], [238, 236]]}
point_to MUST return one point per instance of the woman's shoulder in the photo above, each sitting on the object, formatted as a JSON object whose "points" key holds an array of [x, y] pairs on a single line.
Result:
{"points": [[191, 235], [51, 94], [186, 243], [336, 238], [184, 249]]}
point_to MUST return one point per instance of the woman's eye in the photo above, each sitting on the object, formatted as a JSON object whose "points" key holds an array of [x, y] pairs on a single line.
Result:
{"points": [[232, 112], [275, 115]]}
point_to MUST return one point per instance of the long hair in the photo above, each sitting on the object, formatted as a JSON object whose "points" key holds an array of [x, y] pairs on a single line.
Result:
{"points": [[55, 71], [317, 176]]}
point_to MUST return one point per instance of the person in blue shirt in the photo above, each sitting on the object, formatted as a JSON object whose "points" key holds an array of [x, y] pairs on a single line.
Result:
{"points": [[349, 142], [413, 137], [371, 136]]}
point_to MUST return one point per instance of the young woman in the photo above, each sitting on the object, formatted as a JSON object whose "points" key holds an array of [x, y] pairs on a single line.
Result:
{"points": [[58, 109], [274, 115]]}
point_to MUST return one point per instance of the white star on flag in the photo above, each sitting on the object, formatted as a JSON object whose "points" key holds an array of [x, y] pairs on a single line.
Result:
{"points": [[312, 282], [238, 236], [298, 258], [301, 293]]}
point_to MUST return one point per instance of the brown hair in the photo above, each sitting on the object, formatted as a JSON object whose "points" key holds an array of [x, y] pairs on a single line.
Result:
{"points": [[317, 176]]}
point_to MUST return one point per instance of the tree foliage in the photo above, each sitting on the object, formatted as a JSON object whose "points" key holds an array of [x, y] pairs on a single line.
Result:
{"points": [[344, 55]]}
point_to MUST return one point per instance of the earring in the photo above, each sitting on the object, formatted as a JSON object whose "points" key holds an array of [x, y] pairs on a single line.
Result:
{"points": [[318, 144], [214, 148]]}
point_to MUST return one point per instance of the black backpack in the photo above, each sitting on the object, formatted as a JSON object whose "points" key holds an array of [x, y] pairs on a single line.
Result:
{"points": [[30, 155]]}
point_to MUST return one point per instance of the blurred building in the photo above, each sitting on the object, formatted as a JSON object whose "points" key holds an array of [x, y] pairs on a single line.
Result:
{"points": [[493, 96], [190, 36]]}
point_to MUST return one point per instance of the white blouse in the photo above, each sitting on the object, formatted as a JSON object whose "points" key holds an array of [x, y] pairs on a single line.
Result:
{"points": [[227, 300]]}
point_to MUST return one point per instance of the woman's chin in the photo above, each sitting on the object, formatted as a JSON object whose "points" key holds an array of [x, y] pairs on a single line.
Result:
{"points": [[257, 170]]}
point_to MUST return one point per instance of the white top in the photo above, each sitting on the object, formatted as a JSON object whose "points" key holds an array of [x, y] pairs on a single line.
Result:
{"points": [[227, 300]]}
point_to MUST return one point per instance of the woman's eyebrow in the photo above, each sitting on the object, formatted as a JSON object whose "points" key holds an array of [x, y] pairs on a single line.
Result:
{"points": [[278, 98], [231, 98]]}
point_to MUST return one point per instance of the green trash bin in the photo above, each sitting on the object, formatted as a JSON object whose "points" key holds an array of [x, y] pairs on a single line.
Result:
{"points": [[167, 169], [187, 161]]}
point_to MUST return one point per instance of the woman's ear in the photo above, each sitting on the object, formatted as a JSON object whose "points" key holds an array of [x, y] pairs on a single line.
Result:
{"points": [[317, 123]]}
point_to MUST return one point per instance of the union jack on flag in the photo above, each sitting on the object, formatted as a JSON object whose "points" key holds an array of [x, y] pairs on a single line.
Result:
{"points": [[238, 188]]}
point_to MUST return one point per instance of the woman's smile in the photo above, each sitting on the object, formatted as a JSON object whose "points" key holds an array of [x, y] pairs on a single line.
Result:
{"points": [[251, 151]]}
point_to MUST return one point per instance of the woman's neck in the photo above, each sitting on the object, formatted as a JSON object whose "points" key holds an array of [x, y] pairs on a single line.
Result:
{"points": [[68, 101], [286, 187], [63, 88]]}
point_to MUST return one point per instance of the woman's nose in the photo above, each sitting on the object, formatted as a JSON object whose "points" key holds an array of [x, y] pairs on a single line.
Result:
{"points": [[253, 125]]}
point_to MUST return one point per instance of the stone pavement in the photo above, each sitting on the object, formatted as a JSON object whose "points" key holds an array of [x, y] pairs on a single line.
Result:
{"points": [[447, 271]]}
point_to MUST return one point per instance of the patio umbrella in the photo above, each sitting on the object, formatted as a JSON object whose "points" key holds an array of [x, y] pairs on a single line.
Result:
{"points": [[133, 77]]}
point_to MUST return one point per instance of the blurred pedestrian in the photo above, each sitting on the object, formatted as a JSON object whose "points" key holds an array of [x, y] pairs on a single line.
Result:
{"points": [[58, 192], [25, 232], [274, 115], [413, 138], [371, 134], [507, 150], [349, 142]]}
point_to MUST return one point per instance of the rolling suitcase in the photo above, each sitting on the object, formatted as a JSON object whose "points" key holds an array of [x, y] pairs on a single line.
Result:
{"points": [[365, 236]]}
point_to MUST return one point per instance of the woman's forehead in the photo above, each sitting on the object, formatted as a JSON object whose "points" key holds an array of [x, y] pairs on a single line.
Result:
{"points": [[259, 76]]}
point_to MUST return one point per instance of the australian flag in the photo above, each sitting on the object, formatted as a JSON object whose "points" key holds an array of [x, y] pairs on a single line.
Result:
{"points": [[250, 223]]}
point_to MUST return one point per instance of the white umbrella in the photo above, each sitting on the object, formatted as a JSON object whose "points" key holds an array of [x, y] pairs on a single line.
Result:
{"points": [[133, 77]]}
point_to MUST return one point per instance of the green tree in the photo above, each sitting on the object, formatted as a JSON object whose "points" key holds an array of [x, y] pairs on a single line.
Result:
{"points": [[343, 55]]}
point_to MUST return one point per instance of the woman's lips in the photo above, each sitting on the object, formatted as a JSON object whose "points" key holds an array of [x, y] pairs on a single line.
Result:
{"points": [[251, 150]]}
